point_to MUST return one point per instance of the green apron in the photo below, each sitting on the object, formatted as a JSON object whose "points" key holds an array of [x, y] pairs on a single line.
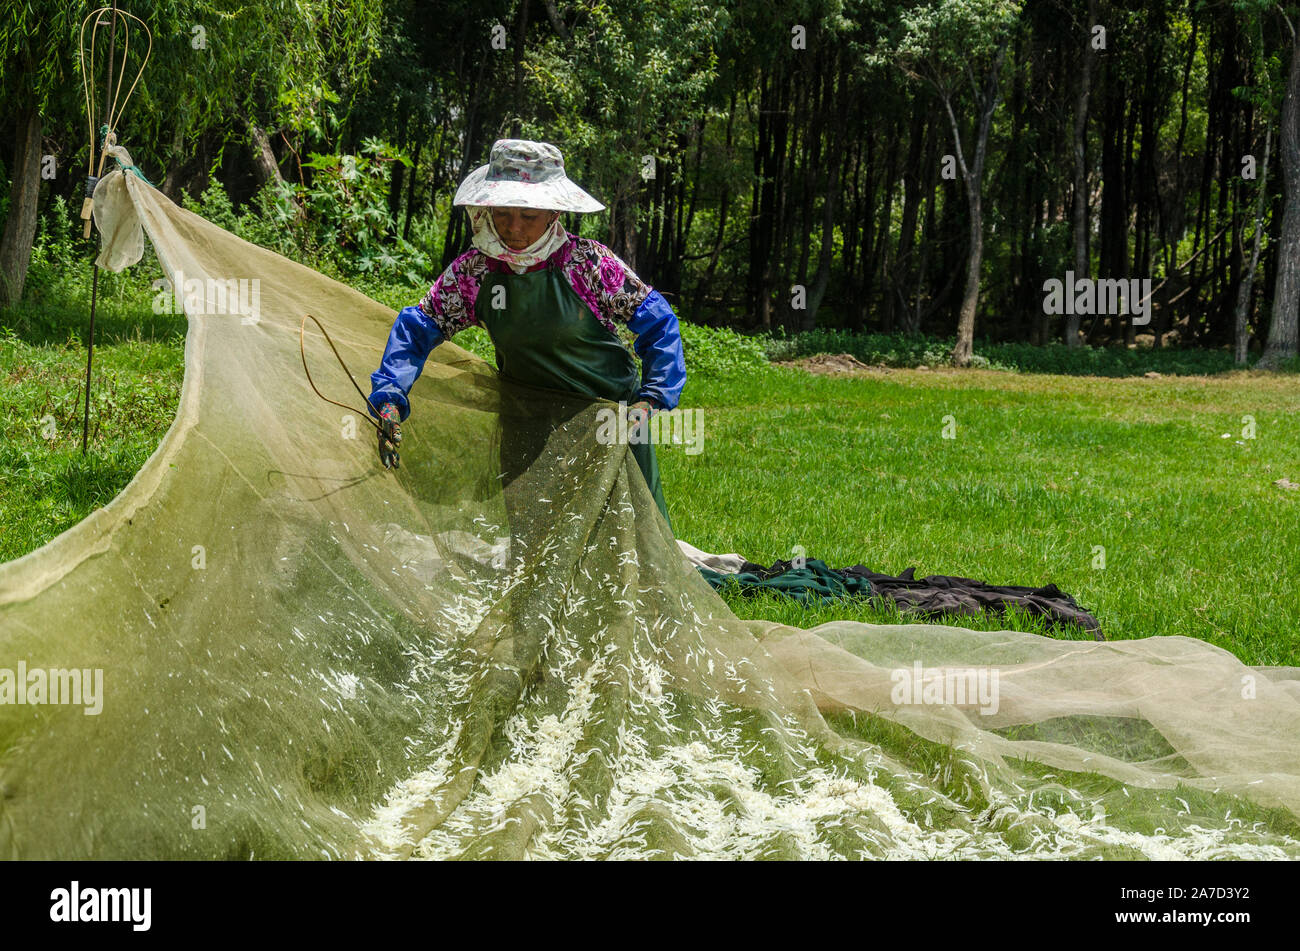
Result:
{"points": [[545, 335]]}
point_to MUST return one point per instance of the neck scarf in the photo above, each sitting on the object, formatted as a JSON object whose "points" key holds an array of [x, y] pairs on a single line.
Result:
{"points": [[489, 242]]}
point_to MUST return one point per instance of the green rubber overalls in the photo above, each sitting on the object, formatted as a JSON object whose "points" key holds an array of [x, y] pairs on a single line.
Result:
{"points": [[546, 336]]}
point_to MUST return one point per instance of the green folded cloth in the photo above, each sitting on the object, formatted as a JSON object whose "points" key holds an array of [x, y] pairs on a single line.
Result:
{"points": [[814, 583]]}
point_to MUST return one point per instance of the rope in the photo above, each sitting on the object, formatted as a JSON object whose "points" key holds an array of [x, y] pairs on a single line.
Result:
{"points": [[302, 349], [110, 140]]}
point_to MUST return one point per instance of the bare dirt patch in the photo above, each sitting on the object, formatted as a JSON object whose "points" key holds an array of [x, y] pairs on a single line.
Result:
{"points": [[831, 363]]}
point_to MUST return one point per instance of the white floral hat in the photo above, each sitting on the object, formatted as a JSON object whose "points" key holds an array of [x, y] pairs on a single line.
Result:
{"points": [[524, 174]]}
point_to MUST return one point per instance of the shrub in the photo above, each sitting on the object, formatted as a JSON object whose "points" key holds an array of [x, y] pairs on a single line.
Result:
{"points": [[715, 351], [338, 224], [899, 350]]}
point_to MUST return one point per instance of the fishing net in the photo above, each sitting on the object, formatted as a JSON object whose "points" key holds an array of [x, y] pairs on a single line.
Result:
{"points": [[304, 655]]}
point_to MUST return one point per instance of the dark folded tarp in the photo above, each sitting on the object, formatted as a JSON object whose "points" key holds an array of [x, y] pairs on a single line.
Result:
{"points": [[923, 598]]}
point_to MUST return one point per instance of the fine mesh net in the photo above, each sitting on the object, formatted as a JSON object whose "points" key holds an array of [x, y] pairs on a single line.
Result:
{"points": [[499, 651]]}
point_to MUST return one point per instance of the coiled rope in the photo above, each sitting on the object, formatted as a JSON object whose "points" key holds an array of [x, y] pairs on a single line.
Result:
{"points": [[302, 349]]}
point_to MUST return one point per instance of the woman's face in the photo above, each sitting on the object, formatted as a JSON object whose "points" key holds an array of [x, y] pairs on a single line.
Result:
{"points": [[520, 227]]}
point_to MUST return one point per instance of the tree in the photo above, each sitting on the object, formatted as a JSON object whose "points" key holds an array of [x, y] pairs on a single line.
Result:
{"points": [[1262, 99], [1080, 142], [949, 45], [210, 60], [630, 78], [37, 46], [1282, 335]]}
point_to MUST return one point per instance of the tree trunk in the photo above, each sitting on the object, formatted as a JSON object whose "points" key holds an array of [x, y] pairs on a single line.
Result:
{"points": [[1215, 107], [265, 167], [623, 220], [521, 40], [758, 226], [876, 249], [929, 230], [1081, 171], [830, 202], [557, 22], [961, 353], [776, 272], [458, 219], [395, 174], [822, 278], [974, 178], [1242, 325], [24, 192], [1282, 334], [410, 188], [653, 247], [175, 161], [688, 221], [706, 285], [1112, 255]]}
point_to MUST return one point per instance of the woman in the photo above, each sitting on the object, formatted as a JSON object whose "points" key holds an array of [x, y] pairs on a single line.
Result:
{"points": [[549, 300]]}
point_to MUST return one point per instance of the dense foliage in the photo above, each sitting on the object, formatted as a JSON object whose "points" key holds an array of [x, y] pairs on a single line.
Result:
{"points": [[855, 165]]}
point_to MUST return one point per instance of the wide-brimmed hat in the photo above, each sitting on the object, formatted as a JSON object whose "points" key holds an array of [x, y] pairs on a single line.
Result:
{"points": [[524, 174]]}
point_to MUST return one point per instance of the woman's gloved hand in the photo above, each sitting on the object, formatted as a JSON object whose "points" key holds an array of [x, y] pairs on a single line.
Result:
{"points": [[638, 413], [390, 434]]}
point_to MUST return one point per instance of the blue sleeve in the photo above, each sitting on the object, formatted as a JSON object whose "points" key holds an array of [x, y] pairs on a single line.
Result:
{"points": [[412, 337], [659, 345]]}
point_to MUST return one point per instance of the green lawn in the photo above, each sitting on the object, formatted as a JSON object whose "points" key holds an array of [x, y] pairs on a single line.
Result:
{"points": [[46, 484], [1042, 473]]}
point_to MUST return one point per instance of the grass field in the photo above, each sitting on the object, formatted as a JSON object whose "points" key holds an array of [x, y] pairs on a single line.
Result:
{"points": [[1045, 475], [1124, 491]]}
